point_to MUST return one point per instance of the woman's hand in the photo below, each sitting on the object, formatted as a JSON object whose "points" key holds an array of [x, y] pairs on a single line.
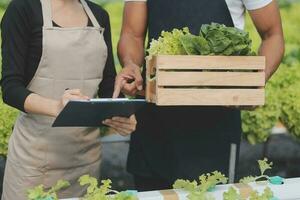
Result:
{"points": [[74, 94], [37, 104], [124, 126]]}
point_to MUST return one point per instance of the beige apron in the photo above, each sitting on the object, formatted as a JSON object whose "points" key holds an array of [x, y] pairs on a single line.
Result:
{"points": [[38, 153]]}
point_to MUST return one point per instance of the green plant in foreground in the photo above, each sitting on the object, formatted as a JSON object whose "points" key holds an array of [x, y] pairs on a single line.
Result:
{"points": [[199, 191], [266, 195], [263, 166], [232, 194], [39, 193], [95, 192]]}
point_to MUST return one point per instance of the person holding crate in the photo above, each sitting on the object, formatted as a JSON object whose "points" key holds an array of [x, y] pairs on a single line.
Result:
{"points": [[54, 51], [184, 142]]}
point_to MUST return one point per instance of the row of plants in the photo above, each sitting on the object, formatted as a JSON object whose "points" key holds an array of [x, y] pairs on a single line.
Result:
{"points": [[197, 190]]}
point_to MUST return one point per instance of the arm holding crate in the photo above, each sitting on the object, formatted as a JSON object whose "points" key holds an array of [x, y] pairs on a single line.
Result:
{"points": [[268, 24], [131, 46]]}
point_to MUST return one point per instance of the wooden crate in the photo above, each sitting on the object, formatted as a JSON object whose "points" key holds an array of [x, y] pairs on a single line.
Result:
{"points": [[206, 80]]}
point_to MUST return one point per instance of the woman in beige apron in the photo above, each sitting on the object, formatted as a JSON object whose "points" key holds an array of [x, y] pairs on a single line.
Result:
{"points": [[39, 154]]}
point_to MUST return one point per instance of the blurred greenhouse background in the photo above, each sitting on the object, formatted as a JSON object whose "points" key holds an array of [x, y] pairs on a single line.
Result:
{"points": [[282, 110]]}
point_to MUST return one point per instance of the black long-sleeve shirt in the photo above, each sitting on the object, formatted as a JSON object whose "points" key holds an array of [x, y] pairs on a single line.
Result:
{"points": [[22, 49]]}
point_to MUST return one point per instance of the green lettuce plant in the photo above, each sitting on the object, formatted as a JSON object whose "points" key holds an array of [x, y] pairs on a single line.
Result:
{"points": [[7, 120], [290, 115], [39, 192], [103, 191], [257, 124]]}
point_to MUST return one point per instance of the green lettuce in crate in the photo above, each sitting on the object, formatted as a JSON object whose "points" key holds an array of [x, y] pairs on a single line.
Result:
{"points": [[257, 124], [213, 39], [226, 40], [169, 43]]}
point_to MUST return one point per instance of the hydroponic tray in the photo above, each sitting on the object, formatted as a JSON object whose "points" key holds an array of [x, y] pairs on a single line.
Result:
{"points": [[290, 190]]}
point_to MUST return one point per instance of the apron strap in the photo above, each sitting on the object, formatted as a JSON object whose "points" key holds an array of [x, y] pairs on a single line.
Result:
{"points": [[47, 13], [90, 14]]}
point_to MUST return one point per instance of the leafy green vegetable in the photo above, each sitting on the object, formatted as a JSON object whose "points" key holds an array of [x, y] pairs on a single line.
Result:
{"points": [[7, 119], [263, 166], [231, 194], [95, 192], [189, 43], [186, 185], [169, 43], [202, 46], [291, 109], [286, 83], [214, 39], [248, 179], [266, 195], [199, 191], [257, 124], [39, 193], [210, 180]]}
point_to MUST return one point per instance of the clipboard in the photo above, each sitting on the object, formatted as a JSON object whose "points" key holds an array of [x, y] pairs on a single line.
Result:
{"points": [[92, 112]]}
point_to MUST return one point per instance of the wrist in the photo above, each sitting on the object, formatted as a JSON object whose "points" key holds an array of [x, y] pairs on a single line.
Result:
{"points": [[56, 108], [129, 63]]}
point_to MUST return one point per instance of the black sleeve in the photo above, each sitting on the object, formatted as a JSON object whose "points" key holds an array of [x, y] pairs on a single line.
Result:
{"points": [[106, 87], [15, 27]]}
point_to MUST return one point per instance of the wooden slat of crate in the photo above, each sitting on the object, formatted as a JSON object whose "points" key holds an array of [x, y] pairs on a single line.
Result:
{"points": [[210, 62], [210, 78], [207, 97], [151, 84]]}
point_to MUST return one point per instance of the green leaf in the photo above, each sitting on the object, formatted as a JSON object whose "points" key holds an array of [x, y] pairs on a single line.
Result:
{"points": [[185, 184], [169, 43], [202, 46], [248, 179], [264, 165], [61, 184], [231, 194], [189, 43], [210, 180], [39, 193], [266, 195]]}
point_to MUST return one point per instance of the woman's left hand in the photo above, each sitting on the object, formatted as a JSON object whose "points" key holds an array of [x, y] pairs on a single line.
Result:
{"points": [[123, 126]]}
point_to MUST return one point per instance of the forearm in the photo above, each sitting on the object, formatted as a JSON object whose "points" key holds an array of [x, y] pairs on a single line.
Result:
{"points": [[131, 50], [267, 21], [37, 104], [273, 49]]}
